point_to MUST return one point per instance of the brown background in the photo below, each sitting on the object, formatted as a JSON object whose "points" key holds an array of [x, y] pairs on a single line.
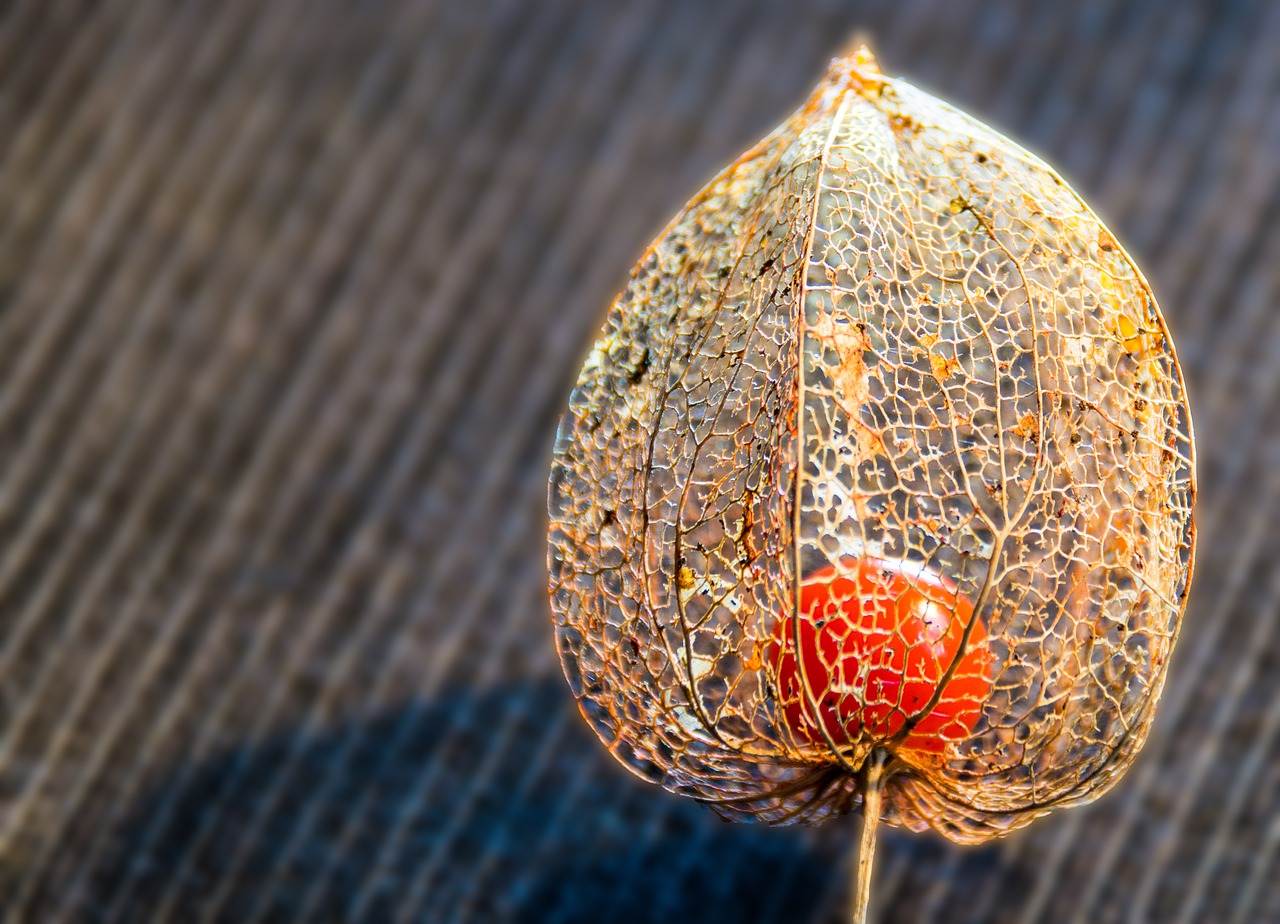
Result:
{"points": [[290, 295]]}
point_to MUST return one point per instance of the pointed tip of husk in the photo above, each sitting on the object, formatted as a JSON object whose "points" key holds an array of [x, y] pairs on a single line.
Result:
{"points": [[857, 64]]}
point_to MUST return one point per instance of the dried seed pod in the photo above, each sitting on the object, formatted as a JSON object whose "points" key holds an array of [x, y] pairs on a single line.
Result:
{"points": [[878, 483]]}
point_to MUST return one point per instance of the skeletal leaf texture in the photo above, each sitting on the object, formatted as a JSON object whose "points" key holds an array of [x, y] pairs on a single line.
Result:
{"points": [[883, 447]]}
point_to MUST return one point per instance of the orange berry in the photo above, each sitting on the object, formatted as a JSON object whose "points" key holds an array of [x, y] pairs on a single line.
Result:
{"points": [[876, 639]]}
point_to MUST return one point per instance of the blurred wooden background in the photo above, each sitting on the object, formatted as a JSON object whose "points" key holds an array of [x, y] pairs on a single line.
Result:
{"points": [[291, 293]]}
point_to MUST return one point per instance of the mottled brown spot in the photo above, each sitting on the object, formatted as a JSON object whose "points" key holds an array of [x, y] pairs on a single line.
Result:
{"points": [[1028, 427], [685, 578]]}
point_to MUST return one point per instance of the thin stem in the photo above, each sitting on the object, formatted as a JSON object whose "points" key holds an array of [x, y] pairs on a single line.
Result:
{"points": [[873, 788]]}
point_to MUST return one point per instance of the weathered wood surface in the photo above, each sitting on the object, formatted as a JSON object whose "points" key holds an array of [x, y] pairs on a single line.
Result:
{"points": [[291, 295]]}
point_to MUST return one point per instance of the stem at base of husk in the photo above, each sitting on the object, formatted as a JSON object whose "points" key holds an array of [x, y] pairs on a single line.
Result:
{"points": [[873, 788]]}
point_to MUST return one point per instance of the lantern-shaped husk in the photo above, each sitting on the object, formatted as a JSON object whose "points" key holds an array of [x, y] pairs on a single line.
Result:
{"points": [[885, 341]]}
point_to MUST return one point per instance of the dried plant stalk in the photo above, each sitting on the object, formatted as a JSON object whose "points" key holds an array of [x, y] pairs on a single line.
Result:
{"points": [[883, 447]]}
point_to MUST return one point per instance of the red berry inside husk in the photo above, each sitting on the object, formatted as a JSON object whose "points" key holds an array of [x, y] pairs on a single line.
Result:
{"points": [[877, 638]]}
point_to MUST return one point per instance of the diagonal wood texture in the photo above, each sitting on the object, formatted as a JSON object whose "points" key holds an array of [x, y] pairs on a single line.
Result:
{"points": [[291, 296]]}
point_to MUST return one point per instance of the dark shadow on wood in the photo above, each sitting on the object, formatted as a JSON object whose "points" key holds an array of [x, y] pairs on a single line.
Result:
{"points": [[457, 808]]}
